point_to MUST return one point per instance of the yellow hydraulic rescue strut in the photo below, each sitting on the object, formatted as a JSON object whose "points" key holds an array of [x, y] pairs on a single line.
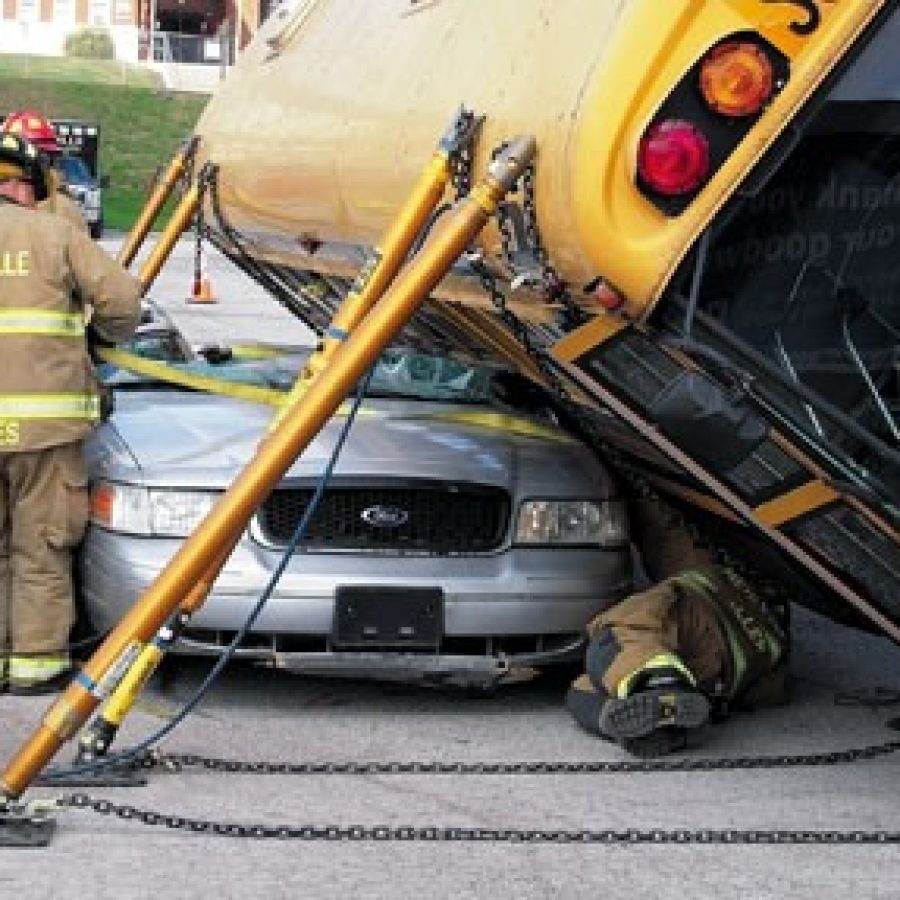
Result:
{"points": [[393, 249], [370, 285], [161, 192], [178, 223], [213, 538]]}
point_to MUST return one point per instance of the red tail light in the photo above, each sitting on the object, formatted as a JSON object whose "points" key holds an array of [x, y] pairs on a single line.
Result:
{"points": [[673, 158]]}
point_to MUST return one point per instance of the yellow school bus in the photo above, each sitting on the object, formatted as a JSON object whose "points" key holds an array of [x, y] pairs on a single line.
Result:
{"points": [[680, 219], [703, 261]]}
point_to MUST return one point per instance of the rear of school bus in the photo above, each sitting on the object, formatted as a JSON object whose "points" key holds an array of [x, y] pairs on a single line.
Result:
{"points": [[709, 246]]}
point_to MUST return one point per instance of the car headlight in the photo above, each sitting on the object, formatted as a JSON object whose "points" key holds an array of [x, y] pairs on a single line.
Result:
{"points": [[550, 523], [149, 511]]}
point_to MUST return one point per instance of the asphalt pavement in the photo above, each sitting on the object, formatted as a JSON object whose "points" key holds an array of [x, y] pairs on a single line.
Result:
{"points": [[259, 714], [241, 310]]}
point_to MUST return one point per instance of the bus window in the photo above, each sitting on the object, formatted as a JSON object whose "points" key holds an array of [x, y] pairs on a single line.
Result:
{"points": [[808, 274]]}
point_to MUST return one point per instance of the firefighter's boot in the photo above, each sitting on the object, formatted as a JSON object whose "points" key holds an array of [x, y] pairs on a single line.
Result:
{"points": [[654, 712]]}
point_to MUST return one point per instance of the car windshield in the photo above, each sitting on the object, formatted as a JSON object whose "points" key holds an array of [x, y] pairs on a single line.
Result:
{"points": [[399, 373], [73, 169]]}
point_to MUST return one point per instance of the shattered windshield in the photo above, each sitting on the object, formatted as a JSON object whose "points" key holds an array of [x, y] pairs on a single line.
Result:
{"points": [[401, 373]]}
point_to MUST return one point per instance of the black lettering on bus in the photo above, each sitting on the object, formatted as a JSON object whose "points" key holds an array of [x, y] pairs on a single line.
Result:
{"points": [[813, 15]]}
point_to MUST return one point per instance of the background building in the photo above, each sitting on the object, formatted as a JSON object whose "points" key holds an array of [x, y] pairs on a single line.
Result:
{"points": [[160, 33]]}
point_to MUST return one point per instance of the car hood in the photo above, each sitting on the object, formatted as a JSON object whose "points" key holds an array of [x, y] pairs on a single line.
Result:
{"points": [[197, 440]]}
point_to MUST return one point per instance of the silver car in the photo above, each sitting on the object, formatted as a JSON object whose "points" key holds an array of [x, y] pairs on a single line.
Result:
{"points": [[460, 539]]}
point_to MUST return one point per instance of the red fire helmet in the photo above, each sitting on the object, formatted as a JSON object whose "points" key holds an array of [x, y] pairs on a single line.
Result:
{"points": [[32, 126]]}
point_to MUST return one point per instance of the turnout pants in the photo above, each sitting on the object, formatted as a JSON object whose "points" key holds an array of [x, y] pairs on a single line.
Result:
{"points": [[43, 513], [665, 619], [707, 619]]}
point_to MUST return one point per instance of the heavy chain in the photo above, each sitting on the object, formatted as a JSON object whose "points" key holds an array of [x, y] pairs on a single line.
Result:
{"points": [[179, 761], [310, 832], [198, 247], [461, 170], [418, 833], [547, 279]]}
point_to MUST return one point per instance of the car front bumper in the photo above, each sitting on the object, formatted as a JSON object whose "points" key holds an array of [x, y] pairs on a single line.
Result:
{"points": [[503, 614]]}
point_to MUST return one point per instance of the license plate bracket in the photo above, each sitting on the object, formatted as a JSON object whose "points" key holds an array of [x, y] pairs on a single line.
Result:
{"points": [[388, 618]]}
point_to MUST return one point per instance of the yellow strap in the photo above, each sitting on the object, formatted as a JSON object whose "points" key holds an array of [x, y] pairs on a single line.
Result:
{"points": [[223, 388], [255, 351], [284, 400], [164, 372]]}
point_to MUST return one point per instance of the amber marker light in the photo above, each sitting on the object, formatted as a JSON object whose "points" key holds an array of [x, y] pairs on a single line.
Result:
{"points": [[101, 502], [736, 79]]}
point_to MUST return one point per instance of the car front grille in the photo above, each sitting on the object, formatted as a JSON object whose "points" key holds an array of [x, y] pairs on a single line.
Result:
{"points": [[431, 517]]}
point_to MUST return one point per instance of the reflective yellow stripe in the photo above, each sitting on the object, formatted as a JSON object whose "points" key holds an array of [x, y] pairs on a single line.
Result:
{"points": [[660, 661], [693, 580], [49, 406], [36, 668], [41, 321]]}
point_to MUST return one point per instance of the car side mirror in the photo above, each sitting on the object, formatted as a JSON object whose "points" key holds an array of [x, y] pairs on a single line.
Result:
{"points": [[104, 181]]}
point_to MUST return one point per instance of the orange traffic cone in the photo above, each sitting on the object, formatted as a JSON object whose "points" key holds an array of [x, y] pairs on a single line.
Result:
{"points": [[202, 291]]}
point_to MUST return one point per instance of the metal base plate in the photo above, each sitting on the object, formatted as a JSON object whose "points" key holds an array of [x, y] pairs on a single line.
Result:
{"points": [[24, 826]]}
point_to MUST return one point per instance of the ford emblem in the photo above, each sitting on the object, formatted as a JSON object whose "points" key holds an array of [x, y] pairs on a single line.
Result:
{"points": [[384, 516]]}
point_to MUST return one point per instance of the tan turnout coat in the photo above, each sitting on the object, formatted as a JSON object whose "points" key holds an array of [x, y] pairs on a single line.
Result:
{"points": [[49, 272]]}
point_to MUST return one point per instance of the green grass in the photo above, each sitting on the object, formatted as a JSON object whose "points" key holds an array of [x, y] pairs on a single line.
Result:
{"points": [[92, 71], [140, 126]]}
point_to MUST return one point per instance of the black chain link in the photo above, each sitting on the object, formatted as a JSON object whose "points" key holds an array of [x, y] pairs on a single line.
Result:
{"points": [[461, 170], [180, 761], [198, 245], [418, 833]]}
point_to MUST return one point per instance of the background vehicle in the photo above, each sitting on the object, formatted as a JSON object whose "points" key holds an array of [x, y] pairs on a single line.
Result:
{"points": [[759, 392], [76, 159], [84, 189], [460, 538]]}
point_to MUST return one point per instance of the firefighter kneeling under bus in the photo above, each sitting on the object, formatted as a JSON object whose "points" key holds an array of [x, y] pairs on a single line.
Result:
{"points": [[696, 644], [48, 403]]}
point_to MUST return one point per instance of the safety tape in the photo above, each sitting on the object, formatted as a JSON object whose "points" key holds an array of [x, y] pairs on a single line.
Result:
{"points": [[37, 321], [491, 421]]}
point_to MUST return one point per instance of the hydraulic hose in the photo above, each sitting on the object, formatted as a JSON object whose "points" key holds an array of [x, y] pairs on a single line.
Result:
{"points": [[123, 756]]}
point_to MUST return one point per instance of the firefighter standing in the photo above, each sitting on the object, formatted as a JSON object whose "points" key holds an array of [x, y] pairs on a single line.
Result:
{"points": [[37, 130], [48, 404], [699, 641]]}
